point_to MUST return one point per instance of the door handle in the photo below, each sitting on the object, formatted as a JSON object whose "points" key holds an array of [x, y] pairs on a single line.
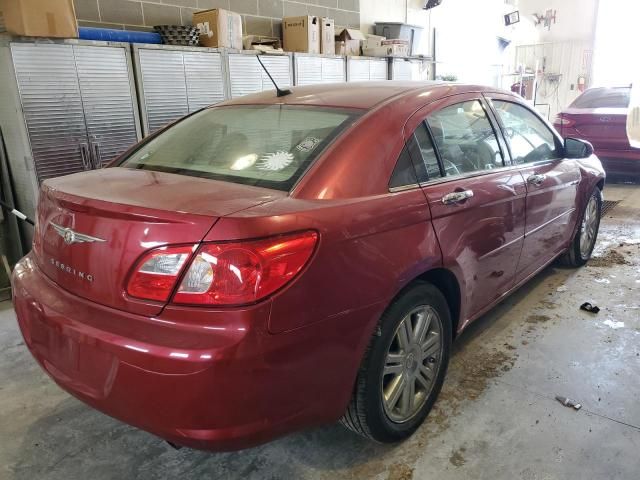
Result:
{"points": [[457, 197], [97, 156], [536, 179], [84, 156]]}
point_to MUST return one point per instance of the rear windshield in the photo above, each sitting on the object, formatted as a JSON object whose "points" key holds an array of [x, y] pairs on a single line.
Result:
{"points": [[603, 98], [263, 145]]}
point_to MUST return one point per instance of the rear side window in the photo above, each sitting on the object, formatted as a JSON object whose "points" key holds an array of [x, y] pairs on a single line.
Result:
{"points": [[530, 140], [603, 98], [465, 139], [404, 174], [263, 145]]}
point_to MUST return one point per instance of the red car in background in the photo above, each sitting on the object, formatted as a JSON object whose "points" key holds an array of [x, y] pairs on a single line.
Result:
{"points": [[599, 115], [278, 262]]}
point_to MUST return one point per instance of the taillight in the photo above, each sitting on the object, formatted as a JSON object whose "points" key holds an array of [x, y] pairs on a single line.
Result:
{"points": [[238, 273], [156, 273], [565, 122]]}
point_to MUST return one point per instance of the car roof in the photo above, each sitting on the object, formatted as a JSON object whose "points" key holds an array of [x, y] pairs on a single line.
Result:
{"points": [[361, 95]]}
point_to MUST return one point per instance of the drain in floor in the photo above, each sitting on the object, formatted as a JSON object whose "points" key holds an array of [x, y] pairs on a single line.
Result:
{"points": [[609, 205]]}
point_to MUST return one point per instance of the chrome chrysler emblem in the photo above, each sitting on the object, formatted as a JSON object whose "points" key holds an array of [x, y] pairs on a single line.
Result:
{"points": [[71, 236]]}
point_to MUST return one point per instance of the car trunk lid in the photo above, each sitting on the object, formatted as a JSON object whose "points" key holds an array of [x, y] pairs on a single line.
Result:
{"points": [[605, 128], [94, 226]]}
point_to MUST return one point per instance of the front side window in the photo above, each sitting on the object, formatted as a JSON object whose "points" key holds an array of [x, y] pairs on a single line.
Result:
{"points": [[530, 140], [263, 145], [465, 139]]}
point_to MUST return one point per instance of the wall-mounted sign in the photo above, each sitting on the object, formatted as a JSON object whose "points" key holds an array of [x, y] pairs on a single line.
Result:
{"points": [[511, 18]]}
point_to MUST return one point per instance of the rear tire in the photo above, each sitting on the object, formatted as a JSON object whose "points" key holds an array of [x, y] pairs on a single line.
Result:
{"points": [[404, 367], [584, 240]]}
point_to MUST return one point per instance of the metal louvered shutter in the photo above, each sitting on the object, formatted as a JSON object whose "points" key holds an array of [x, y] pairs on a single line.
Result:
{"points": [[163, 87], [401, 70], [333, 70], [279, 68], [103, 75], [50, 96], [378, 69], [308, 70], [205, 81], [358, 69], [245, 74]]}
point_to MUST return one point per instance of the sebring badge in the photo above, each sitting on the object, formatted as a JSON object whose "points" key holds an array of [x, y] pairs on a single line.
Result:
{"points": [[71, 237]]}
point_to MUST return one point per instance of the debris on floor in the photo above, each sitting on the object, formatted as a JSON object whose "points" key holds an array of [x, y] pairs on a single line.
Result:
{"points": [[587, 307], [609, 259], [567, 402]]}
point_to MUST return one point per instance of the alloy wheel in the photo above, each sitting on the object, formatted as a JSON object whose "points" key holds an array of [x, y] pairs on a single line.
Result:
{"points": [[588, 229], [412, 363]]}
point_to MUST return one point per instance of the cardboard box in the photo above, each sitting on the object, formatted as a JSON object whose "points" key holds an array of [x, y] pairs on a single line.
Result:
{"points": [[301, 34], [352, 40], [392, 50], [219, 28], [39, 18], [262, 43], [373, 41], [327, 36]]}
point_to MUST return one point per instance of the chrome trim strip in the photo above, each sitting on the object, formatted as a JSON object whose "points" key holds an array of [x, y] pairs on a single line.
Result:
{"points": [[540, 227]]}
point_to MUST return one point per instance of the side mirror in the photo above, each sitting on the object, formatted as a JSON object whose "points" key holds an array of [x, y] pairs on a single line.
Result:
{"points": [[576, 148]]}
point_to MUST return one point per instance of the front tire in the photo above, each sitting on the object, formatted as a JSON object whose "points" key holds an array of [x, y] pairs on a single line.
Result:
{"points": [[404, 367], [581, 247]]}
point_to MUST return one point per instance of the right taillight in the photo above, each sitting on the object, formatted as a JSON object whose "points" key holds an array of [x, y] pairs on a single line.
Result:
{"points": [[238, 273]]}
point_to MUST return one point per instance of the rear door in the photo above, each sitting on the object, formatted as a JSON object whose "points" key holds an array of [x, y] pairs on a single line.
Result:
{"points": [[552, 183], [477, 203]]}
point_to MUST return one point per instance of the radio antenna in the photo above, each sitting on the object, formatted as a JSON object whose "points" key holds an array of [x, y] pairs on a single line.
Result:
{"points": [[279, 92]]}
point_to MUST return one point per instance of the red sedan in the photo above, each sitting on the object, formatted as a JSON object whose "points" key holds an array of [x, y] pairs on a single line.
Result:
{"points": [[599, 115], [275, 263]]}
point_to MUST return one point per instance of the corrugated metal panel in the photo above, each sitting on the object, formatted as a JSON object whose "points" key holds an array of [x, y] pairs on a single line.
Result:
{"points": [[308, 70], [164, 86], [245, 74], [103, 75], [358, 69], [279, 68], [333, 70], [50, 95], [204, 77], [378, 69]]}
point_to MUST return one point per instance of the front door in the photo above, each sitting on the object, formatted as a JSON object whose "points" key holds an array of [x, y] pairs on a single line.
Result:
{"points": [[552, 184], [477, 204]]}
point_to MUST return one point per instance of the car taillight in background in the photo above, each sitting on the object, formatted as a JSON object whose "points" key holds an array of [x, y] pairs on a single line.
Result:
{"points": [[563, 121], [233, 273]]}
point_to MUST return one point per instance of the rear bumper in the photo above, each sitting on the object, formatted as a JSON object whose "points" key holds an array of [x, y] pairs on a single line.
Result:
{"points": [[204, 379]]}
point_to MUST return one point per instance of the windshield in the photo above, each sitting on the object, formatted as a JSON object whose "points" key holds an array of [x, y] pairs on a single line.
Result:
{"points": [[263, 145], [603, 98]]}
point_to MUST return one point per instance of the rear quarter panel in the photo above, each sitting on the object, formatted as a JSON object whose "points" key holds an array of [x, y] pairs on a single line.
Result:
{"points": [[369, 248]]}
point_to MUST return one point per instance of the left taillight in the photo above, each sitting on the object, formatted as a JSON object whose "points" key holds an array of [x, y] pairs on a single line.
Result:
{"points": [[229, 273], [156, 273]]}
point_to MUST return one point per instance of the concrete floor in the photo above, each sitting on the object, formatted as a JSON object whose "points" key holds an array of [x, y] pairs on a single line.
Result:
{"points": [[496, 417]]}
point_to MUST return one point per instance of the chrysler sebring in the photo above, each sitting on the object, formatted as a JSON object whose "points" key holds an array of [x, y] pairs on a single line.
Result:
{"points": [[275, 263]]}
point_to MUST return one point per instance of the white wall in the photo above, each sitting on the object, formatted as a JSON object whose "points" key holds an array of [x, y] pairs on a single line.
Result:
{"points": [[467, 32], [575, 19]]}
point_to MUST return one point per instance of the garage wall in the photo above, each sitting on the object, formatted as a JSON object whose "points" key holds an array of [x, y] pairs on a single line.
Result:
{"points": [[260, 17]]}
